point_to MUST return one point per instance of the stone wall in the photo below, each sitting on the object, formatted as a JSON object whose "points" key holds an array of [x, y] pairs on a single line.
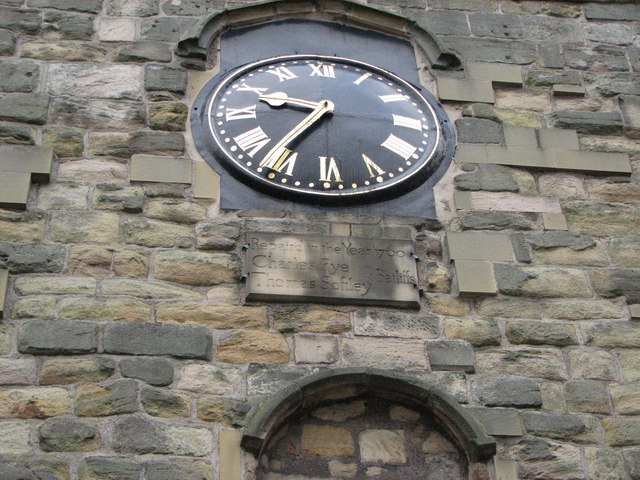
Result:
{"points": [[125, 349]]}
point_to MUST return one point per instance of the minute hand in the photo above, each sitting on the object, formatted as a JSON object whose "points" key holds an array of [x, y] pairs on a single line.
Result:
{"points": [[322, 107]]}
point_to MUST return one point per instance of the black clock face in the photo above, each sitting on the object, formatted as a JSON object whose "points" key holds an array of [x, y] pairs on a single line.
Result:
{"points": [[317, 127]]}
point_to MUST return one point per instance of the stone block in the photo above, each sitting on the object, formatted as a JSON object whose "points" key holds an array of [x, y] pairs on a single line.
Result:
{"points": [[582, 309], [451, 355], [165, 403], [27, 159], [527, 362], [111, 196], [90, 6], [131, 262], [64, 434], [547, 78], [102, 468], [561, 90], [478, 130], [383, 446], [76, 227], [47, 337], [176, 211], [187, 469], [114, 309], [632, 461], [493, 178], [64, 51], [148, 168], [21, 21], [611, 283], [145, 290], [326, 441], [140, 52], [212, 379], [89, 260], [486, 220], [25, 107], [159, 78], [33, 402], [35, 307], [31, 258], [213, 315], [615, 190], [117, 29], [217, 234], [168, 116], [4, 284], [541, 282], [507, 391], [506, 469], [206, 182], [141, 8], [475, 277], [442, 22], [587, 396], [592, 364], [63, 196], [509, 308], [537, 333], [605, 11], [226, 411], [167, 29], [395, 324], [501, 422], [478, 332], [554, 222], [99, 401], [457, 90], [313, 318], [601, 219], [99, 115], [154, 371], [384, 353], [196, 268], [486, 246], [14, 438], [67, 370], [625, 398], [597, 123], [253, 346], [153, 233], [315, 349], [496, 73], [49, 285], [505, 202], [126, 144], [67, 26], [492, 50], [181, 341], [604, 463], [496, 25], [19, 76], [634, 311], [562, 426], [621, 431], [612, 334]]}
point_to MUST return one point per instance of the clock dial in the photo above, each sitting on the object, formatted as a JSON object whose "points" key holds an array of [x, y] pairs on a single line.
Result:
{"points": [[317, 127]]}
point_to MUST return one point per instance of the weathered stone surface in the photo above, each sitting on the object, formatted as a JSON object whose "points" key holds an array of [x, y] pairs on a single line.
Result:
{"points": [[340, 412], [15, 133], [326, 441], [537, 333], [587, 396], [562, 426], [192, 7], [592, 364], [615, 190], [442, 22], [546, 78], [63, 371], [483, 220], [97, 114], [68, 227], [159, 77], [516, 100], [164, 190], [493, 178], [21, 21], [104, 468], [25, 107], [476, 130], [141, 8], [621, 431], [64, 434], [145, 290], [154, 371], [93, 171], [196, 268], [14, 438], [476, 331], [167, 29], [64, 51], [213, 379], [19, 76], [549, 460], [66, 142], [180, 341], [437, 275], [33, 402], [395, 324], [57, 337], [165, 404], [315, 349], [140, 52], [443, 305], [126, 144], [217, 234], [17, 371], [604, 464], [451, 355], [213, 315], [89, 260], [625, 398], [582, 309], [67, 26], [21, 226], [492, 50], [313, 318], [153, 233], [226, 411], [613, 33], [384, 353], [509, 308], [63, 196], [5, 338], [131, 262], [541, 281], [34, 307], [183, 469], [7, 43], [114, 399], [169, 116], [176, 211], [90, 6], [139, 436], [632, 460], [529, 362], [507, 391], [54, 285], [110, 196], [253, 346], [611, 283], [496, 25], [597, 123], [386, 446], [31, 258], [611, 334], [116, 309]]}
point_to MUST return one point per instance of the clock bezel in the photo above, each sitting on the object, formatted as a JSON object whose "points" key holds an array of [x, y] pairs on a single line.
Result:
{"points": [[209, 140]]}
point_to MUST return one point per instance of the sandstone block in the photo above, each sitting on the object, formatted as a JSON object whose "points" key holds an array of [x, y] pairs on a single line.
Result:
{"points": [[340, 412], [451, 355], [326, 441], [48, 285], [66, 142], [140, 52], [168, 116], [131, 262], [541, 281], [99, 401], [152, 233], [611, 334], [625, 252], [76, 227], [476, 331], [311, 318], [604, 463], [507, 391], [226, 411], [213, 379], [180, 469], [14, 438], [386, 446], [395, 324], [100, 115], [625, 398], [217, 234], [315, 349], [384, 353], [165, 404], [582, 309], [621, 431], [176, 211], [115, 309], [25, 107], [529, 362], [33, 402], [253, 346], [587, 396], [18, 371], [63, 371], [630, 365], [196, 268], [93, 171], [89, 260], [96, 81], [109, 196], [213, 315], [160, 77], [558, 461], [117, 29], [145, 290], [34, 307], [64, 52], [601, 219], [509, 308], [21, 226], [31, 258], [537, 333], [589, 364], [102, 468]]}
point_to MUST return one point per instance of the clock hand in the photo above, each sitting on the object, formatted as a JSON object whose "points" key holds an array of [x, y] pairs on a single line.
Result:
{"points": [[321, 107], [277, 99]]}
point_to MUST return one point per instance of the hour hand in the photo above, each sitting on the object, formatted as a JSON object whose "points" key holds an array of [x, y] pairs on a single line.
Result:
{"points": [[278, 99]]}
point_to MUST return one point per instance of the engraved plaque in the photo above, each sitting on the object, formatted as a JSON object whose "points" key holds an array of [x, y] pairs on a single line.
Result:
{"points": [[330, 269]]}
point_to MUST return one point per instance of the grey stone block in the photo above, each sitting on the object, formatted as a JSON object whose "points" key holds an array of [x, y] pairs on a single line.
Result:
{"points": [[562, 426], [48, 337], [27, 159], [139, 436], [502, 422], [632, 461], [475, 130], [20, 21], [110, 467], [536, 333], [140, 8], [167, 29], [559, 239], [492, 50], [507, 391], [183, 470], [142, 52], [520, 248], [451, 355], [465, 90], [589, 396], [614, 33], [612, 11], [157, 77], [182, 341], [14, 189], [19, 76], [496, 25], [98, 114], [154, 371], [442, 22], [543, 78], [548, 29], [551, 56], [612, 58], [598, 123], [65, 434], [198, 7], [25, 107], [492, 178], [67, 26], [88, 6], [7, 43], [32, 258], [483, 220]]}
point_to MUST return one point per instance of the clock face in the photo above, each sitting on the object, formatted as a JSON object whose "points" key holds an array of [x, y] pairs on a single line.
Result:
{"points": [[321, 128]]}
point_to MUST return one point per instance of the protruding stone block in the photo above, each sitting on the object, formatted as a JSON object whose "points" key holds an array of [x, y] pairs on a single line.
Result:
{"points": [[465, 90], [494, 72], [475, 277], [479, 246], [451, 355], [151, 168], [502, 422], [14, 189]]}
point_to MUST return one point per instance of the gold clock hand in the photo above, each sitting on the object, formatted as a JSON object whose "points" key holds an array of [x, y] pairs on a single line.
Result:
{"points": [[321, 107], [277, 99]]}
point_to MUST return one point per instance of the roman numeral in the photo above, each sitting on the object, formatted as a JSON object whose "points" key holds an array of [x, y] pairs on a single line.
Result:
{"points": [[246, 88], [372, 167], [399, 146], [408, 122], [322, 70], [329, 170], [395, 97], [285, 159], [241, 113], [252, 140], [362, 78], [283, 73]]}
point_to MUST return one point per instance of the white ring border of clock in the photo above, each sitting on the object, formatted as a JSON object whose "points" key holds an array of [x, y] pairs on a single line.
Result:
{"points": [[234, 74]]}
